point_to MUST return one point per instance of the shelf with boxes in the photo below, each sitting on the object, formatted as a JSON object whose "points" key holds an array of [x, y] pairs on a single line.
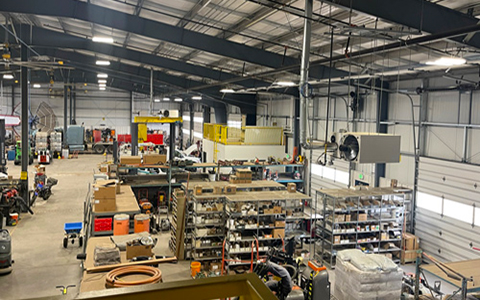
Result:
{"points": [[368, 219]]}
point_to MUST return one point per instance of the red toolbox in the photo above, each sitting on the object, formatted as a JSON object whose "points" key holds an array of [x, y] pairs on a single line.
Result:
{"points": [[102, 224]]}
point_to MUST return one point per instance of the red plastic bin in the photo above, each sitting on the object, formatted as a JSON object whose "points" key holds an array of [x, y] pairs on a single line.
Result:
{"points": [[102, 224]]}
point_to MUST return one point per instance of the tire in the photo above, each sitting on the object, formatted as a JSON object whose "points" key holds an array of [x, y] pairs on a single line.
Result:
{"points": [[110, 149], [46, 195], [16, 162], [65, 242], [98, 149], [30, 160], [80, 241]]}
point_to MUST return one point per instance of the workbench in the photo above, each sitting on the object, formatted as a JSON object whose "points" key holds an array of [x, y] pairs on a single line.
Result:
{"points": [[468, 268], [96, 281], [126, 203]]}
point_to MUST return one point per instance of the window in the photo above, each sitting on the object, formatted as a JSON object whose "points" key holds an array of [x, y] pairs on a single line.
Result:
{"points": [[331, 173], [458, 211], [429, 202], [477, 216]]}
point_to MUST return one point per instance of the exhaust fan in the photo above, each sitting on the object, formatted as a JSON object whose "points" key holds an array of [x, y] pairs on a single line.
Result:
{"points": [[364, 148]]}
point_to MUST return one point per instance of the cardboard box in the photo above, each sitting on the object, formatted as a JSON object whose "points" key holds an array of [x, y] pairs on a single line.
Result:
{"points": [[410, 241], [230, 190], [130, 160], [384, 236], [291, 187], [278, 233], [179, 193], [243, 173], [102, 205], [104, 168], [154, 159], [277, 209], [138, 250], [268, 211], [110, 182], [280, 224], [233, 179], [407, 256], [360, 217], [104, 192], [336, 239], [217, 190], [198, 189], [348, 218]]}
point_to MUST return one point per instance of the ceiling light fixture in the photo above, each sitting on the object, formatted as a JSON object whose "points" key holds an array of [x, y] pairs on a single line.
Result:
{"points": [[102, 63], [7, 76], [227, 91], [447, 61], [166, 99], [101, 75], [178, 100], [102, 81], [102, 84], [286, 83], [36, 86], [102, 39], [197, 98], [102, 88], [157, 100]]}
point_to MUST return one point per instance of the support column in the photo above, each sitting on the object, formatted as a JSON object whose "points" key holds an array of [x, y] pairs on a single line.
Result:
{"points": [[25, 125], [13, 99], [206, 114], [75, 105], [65, 112], [251, 120], [70, 116], [134, 134], [192, 124], [221, 114], [172, 142], [131, 106], [296, 125], [382, 115]]}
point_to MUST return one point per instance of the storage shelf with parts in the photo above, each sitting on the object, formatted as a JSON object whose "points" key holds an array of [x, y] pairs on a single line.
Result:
{"points": [[370, 219], [209, 227], [256, 221]]}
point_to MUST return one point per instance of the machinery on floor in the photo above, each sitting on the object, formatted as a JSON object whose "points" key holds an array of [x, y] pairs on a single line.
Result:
{"points": [[5, 252], [42, 185], [11, 205], [18, 154]]}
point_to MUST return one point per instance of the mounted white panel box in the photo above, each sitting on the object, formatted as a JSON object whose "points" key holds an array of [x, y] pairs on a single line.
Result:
{"points": [[365, 148]]}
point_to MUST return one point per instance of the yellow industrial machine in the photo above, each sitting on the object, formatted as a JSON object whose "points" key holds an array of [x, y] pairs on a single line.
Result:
{"points": [[142, 122]]}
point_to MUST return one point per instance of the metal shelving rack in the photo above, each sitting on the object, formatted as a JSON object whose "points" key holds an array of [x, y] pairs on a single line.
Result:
{"points": [[385, 215], [251, 223], [208, 227]]}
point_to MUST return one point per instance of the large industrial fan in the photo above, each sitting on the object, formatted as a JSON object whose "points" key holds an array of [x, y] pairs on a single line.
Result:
{"points": [[364, 147], [43, 120]]}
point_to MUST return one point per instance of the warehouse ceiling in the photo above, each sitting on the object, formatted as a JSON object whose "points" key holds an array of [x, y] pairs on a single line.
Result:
{"points": [[202, 46]]}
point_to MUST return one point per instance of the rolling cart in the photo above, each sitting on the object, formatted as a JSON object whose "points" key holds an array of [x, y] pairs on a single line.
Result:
{"points": [[72, 232]]}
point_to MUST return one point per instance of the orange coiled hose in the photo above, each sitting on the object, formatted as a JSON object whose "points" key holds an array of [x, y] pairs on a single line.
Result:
{"points": [[113, 277]]}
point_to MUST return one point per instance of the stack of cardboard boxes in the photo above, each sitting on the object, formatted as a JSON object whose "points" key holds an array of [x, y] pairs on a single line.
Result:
{"points": [[154, 159], [130, 160], [104, 195], [410, 245], [241, 176]]}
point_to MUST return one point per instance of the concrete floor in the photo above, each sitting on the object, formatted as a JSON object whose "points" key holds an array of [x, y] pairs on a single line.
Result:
{"points": [[41, 262]]}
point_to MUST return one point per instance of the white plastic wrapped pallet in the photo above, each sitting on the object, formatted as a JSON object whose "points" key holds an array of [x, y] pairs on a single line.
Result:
{"points": [[360, 276]]}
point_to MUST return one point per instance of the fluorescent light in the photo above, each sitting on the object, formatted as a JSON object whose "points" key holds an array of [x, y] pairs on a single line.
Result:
{"points": [[198, 119], [102, 63], [186, 117], [102, 81], [286, 83], [447, 61], [156, 100], [178, 100], [227, 91], [36, 86], [197, 98], [7, 76], [166, 99], [102, 84], [102, 75], [101, 39], [102, 88]]}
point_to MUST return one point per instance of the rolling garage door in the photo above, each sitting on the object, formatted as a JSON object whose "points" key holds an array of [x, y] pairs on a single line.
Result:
{"points": [[448, 209]]}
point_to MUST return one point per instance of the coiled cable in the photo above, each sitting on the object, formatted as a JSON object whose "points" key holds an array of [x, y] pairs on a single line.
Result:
{"points": [[114, 280]]}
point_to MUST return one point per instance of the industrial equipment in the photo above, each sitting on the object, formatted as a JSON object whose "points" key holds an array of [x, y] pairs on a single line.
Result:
{"points": [[72, 232], [103, 140], [364, 147], [42, 186], [5, 252], [10, 203], [18, 154], [42, 147]]}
